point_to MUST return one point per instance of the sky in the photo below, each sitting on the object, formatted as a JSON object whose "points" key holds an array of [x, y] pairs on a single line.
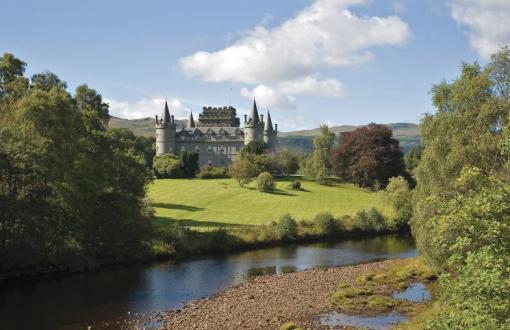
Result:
{"points": [[309, 62]]}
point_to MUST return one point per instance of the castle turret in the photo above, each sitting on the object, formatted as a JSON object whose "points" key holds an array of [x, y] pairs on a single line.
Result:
{"points": [[253, 127], [269, 133], [165, 132], [191, 121]]}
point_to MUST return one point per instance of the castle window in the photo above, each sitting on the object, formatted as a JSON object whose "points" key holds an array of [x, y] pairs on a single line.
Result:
{"points": [[183, 148], [209, 149]]}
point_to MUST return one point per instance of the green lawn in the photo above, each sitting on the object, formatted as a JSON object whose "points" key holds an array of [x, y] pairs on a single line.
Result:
{"points": [[220, 202]]}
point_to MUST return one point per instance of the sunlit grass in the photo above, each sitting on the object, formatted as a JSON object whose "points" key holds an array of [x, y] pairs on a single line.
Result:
{"points": [[220, 202]]}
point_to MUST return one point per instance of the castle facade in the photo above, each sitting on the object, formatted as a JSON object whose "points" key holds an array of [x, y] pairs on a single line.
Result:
{"points": [[217, 136]]}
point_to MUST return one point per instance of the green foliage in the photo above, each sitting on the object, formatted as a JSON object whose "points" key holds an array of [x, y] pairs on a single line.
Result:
{"points": [[265, 182], [326, 224], [254, 148], [287, 227], [373, 220], [412, 158], [71, 194], [189, 163], [462, 213], [211, 172], [285, 161], [167, 166], [400, 196], [368, 156], [295, 185], [318, 164], [243, 170], [478, 297]]}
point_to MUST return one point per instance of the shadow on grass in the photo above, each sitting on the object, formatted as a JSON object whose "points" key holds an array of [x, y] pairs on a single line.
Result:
{"points": [[281, 192], [178, 206], [164, 222]]}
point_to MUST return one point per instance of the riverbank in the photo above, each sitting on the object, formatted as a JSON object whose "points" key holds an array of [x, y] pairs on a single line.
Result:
{"points": [[179, 243], [268, 302]]}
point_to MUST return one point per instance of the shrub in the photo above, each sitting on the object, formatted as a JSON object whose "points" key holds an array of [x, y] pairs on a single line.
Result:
{"points": [[287, 227], [373, 220], [376, 219], [167, 166], [265, 182], [189, 164], [211, 172], [295, 185], [326, 224], [400, 196]]}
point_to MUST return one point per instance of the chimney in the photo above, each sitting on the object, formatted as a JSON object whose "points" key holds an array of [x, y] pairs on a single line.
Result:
{"points": [[276, 128], [262, 118], [245, 119], [172, 116]]}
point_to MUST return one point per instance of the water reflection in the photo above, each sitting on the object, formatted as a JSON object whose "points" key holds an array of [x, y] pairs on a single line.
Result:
{"points": [[416, 292], [380, 322], [77, 301]]}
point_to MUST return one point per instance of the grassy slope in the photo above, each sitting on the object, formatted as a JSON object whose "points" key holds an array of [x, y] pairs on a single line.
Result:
{"points": [[221, 201]]}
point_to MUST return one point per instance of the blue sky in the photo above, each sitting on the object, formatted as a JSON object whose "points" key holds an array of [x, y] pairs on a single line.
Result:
{"points": [[308, 61]]}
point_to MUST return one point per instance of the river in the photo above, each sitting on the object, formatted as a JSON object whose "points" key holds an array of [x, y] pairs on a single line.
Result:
{"points": [[77, 301]]}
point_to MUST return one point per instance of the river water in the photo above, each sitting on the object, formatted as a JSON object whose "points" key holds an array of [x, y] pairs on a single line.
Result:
{"points": [[77, 301]]}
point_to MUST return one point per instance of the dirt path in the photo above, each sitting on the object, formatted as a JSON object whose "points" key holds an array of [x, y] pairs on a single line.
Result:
{"points": [[268, 301]]}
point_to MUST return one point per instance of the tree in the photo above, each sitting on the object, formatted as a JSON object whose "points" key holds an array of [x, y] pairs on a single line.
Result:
{"points": [[189, 164], [412, 158], [286, 161], [368, 156], [254, 147], [461, 214], [400, 196], [92, 108], [318, 165], [243, 170], [167, 166], [71, 194]]}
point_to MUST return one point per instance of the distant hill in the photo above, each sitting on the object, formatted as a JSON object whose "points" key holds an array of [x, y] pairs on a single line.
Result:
{"points": [[407, 133], [143, 126]]}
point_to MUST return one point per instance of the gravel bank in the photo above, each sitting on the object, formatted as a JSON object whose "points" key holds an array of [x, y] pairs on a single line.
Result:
{"points": [[268, 301]]}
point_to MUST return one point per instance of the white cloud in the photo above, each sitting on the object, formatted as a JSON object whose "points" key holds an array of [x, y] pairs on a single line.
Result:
{"points": [[486, 21], [326, 34], [268, 97], [313, 86], [147, 107]]}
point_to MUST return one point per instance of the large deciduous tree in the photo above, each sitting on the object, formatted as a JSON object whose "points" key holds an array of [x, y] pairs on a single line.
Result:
{"points": [[368, 156], [71, 193]]}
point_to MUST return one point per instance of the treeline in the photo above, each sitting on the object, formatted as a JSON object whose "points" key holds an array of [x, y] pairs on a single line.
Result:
{"points": [[462, 198], [72, 192]]}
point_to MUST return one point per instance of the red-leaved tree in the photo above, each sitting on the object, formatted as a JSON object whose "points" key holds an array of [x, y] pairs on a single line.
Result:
{"points": [[368, 156]]}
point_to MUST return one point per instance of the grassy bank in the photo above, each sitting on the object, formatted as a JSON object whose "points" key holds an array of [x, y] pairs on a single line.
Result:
{"points": [[222, 202], [209, 216]]}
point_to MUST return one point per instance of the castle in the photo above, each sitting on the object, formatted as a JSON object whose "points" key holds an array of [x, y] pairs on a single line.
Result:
{"points": [[217, 136]]}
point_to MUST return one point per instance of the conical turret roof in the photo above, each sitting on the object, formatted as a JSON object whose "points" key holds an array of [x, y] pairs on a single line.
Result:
{"points": [[254, 113], [268, 125], [165, 116], [191, 121]]}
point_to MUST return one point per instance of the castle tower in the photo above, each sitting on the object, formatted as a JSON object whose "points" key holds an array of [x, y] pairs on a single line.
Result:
{"points": [[165, 132], [269, 133], [191, 121], [253, 126]]}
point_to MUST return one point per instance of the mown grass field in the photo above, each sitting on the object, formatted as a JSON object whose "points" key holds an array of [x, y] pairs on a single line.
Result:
{"points": [[221, 202]]}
